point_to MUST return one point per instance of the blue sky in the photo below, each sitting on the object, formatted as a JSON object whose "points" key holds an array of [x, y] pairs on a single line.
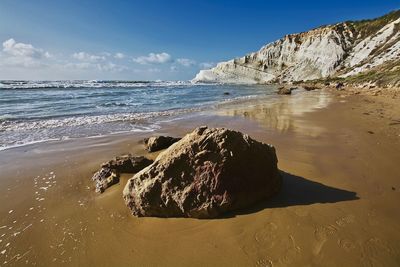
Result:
{"points": [[148, 40]]}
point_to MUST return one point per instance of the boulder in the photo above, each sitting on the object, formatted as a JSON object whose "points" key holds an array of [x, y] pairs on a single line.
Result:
{"points": [[209, 172], [285, 90], [156, 143], [310, 87], [108, 175]]}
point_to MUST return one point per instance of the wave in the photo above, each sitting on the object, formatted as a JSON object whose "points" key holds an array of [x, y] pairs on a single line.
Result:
{"points": [[76, 121], [71, 84]]}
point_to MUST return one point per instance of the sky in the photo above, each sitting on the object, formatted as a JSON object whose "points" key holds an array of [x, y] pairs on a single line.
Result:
{"points": [[152, 40]]}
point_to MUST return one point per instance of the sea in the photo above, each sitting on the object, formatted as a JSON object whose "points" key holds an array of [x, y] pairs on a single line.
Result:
{"points": [[40, 111]]}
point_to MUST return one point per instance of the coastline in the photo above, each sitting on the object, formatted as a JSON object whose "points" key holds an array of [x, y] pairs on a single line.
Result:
{"points": [[338, 196]]}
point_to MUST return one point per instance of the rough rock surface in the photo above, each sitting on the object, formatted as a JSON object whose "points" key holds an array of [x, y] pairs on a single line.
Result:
{"points": [[156, 143], [104, 178], [207, 173], [108, 175], [127, 163], [310, 87], [343, 49], [285, 91]]}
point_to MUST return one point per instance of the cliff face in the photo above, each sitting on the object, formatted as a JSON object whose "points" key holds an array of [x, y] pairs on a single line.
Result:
{"points": [[343, 49]]}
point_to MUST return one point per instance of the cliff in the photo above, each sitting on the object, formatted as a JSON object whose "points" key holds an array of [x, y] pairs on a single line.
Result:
{"points": [[341, 50]]}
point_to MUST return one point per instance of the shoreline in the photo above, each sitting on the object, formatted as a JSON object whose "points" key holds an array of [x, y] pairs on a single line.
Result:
{"points": [[338, 196]]}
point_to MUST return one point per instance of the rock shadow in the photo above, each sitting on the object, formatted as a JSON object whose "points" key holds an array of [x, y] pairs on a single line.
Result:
{"points": [[297, 191]]}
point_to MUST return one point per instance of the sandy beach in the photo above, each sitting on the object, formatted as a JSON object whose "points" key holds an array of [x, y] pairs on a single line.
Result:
{"points": [[339, 155]]}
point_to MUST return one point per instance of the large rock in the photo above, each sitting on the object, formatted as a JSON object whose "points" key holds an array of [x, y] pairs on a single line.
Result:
{"points": [[207, 173], [156, 143], [108, 175]]}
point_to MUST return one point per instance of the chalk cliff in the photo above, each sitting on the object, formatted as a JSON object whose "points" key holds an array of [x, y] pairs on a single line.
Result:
{"points": [[343, 49]]}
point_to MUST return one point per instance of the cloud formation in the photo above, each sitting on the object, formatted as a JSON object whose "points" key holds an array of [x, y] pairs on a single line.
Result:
{"points": [[83, 56], [186, 62], [153, 58], [22, 55], [25, 61], [119, 56], [12, 48]]}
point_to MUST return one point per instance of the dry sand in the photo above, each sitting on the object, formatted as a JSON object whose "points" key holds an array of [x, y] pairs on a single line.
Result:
{"points": [[340, 157]]}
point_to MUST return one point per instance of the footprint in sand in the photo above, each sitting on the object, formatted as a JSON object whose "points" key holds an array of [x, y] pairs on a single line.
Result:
{"points": [[345, 220], [291, 252], [264, 263], [321, 236], [265, 237], [346, 244], [322, 233]]}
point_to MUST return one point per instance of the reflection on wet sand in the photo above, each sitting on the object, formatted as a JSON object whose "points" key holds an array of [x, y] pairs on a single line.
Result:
{"points": [[283, 113]]}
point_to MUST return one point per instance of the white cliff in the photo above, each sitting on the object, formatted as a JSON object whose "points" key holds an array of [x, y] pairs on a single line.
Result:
{"points": [[342, 49]]}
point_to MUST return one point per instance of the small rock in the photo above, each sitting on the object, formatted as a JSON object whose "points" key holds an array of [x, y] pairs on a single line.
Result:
{"points": [[127, 164], [227, 93], [105, 178], [285, 90], [339, 86], [108, 175], [156, 143], [310, 87]]}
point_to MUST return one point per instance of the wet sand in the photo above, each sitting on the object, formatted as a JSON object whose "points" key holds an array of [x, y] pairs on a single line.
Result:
{"points": [[339, 155]]}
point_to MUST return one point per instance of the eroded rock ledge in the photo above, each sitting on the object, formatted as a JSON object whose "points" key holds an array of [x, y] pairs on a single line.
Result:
{"points": [[207, 173], [109, 173]]}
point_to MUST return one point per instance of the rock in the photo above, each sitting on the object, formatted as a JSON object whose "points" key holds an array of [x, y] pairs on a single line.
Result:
{"points": [[156, 143], [105, 178], [339, 86], [127, 163], [108, 175], [227, 93], [284, 90], [310, 87], [376, 93], [207, 173]]}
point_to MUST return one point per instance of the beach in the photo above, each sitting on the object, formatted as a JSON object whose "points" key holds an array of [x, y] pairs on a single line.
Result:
{"points": [[338, 154]]}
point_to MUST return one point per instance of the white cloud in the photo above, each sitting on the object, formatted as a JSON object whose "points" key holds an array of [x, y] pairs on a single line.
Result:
{"points": [[80, 66], [119, 56], [26, 61], [83, 56], [206, 65], [154, 58], [105, 67], [186, 62], [109, 66], [11, 47], [22, 55]]}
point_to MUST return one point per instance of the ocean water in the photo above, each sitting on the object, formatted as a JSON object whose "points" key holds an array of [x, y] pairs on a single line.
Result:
{"points": [[38, 111]]}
